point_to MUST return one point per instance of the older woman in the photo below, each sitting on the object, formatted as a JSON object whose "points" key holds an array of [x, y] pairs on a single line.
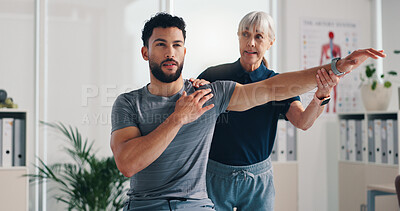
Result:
{"points": [[239, 172]]}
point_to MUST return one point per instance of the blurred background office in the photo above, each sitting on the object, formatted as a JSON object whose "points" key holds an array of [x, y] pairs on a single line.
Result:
{"points": [[67, 61]]}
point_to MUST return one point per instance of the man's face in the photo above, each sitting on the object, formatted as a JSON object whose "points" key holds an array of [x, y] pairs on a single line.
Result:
{"points": [[253, 45], [165, 53]]}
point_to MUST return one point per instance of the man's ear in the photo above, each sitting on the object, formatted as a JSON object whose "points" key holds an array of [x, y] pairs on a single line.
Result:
{"points": [[145, 53]]}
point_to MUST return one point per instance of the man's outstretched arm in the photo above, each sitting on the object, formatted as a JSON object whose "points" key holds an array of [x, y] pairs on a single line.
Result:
{"points": [[287, 85]]}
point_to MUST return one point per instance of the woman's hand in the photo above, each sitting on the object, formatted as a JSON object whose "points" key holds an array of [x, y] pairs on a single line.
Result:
{"points": [[325, 82], [198, 82]]}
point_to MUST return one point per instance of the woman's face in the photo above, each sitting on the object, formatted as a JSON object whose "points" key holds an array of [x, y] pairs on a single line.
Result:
{"points": [[253, 45]]}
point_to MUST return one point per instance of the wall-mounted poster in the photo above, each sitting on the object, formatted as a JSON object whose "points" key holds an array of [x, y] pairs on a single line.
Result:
{"points": [[322, 40]]}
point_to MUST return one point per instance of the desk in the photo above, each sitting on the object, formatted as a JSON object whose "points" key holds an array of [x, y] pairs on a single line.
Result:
{"points": [[377, 190]]}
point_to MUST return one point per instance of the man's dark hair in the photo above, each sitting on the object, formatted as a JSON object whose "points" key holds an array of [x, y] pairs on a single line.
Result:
{"points": [[163, 20]]}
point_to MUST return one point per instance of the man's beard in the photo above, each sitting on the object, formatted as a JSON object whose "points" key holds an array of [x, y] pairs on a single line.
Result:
{"points": [[161, 76]]}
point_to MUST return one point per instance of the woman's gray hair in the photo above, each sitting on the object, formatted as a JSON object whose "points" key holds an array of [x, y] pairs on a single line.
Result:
{"points": [[258, 20]]}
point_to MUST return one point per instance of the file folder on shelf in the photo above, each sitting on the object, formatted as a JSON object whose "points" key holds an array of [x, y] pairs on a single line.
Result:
{"points": [[351, 139], [282, 138], [384, 142], [291, 141], [364, 141], [19, 143], [390, 141], [358, 146], [343, 139], [7, 139], [371, 141], [378, 140], [395, 142], [1, 142]]}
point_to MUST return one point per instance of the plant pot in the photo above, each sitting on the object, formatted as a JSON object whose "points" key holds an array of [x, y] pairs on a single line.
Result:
{"points": [[376, 100]]}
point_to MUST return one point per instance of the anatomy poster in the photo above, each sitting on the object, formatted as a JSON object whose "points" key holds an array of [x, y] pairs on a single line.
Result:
{"points": [[322, 40]]}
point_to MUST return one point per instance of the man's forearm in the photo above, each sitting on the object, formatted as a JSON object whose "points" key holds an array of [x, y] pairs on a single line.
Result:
{"points": [[291, 84], [280, 87], [137, 153]]}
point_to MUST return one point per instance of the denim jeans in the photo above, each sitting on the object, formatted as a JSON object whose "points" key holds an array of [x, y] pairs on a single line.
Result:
{"points": [[170, 204], [244, 187]]}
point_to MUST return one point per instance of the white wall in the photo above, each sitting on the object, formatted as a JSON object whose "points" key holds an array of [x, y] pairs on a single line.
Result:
{"points": [[317, 153], [391, 42]]}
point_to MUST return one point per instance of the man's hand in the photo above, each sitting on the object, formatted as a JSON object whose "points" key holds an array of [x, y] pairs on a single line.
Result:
{"points": [[356, 58], [325, 83], [198, 82], [189, 108]]}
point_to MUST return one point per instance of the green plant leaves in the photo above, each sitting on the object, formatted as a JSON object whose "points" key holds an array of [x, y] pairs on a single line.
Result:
{"points": [[373, 85], [369, 71], [387, 84], [89, 183]]}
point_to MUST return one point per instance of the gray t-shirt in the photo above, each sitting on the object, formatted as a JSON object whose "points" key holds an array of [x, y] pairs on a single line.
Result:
{"points": [[180, 171]]}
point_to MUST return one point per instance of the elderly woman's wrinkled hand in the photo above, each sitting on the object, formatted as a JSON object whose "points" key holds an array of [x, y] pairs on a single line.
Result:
{"points": [[325, 82]]}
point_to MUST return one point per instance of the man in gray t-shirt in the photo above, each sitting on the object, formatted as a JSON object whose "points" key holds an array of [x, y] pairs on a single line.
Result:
{"points": [[179, 171], [161, 133]]}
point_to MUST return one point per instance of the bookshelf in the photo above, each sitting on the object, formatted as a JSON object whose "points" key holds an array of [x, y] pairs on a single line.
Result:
{"points": [[13, 160], [368, 154]]}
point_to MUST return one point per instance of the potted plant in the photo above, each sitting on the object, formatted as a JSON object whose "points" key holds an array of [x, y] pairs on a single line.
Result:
{"points": [[376, 92], [88, 182]]}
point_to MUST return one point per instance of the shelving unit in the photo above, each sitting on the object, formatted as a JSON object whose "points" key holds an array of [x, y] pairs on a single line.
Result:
{"points": [[358, 170], [285, 169], [14, 186], [286, 176]]}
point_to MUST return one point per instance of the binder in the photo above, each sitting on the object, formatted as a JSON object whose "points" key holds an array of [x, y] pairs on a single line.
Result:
{"points": [[390, 141], [358, 145], [351, 140], [19, 143], [1, 142], [384, 142], [291, 141], [343, 139], [282, 134], [274, 152], [395, 142], [371, 141], [7, 141], [378, 140], [364, 141]]}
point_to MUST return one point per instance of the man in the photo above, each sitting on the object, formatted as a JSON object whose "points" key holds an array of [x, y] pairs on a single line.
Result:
{"points": [[161, 133]]}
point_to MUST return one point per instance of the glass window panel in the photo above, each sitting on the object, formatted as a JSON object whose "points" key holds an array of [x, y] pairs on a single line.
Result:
{"points": [[17, 62], [94, 54], [212, 31], [391, 34], [17, 54]]}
